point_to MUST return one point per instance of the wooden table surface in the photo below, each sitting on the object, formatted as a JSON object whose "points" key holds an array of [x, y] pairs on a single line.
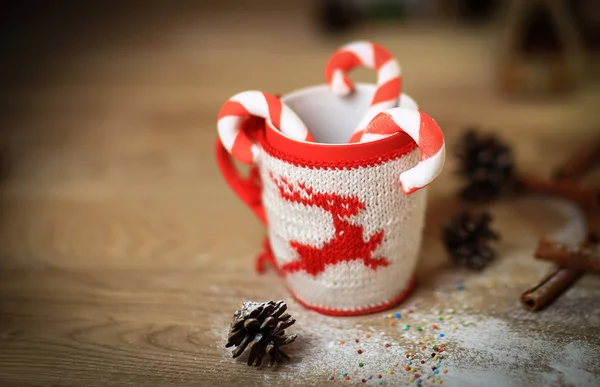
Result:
{"points": [[123, 254]]}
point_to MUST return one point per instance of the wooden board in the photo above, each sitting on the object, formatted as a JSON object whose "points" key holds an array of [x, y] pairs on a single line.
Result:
{"points": [[123, 254]]}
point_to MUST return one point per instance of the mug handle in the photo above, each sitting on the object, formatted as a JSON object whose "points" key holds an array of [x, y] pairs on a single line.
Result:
{"points": [[248, 189]]}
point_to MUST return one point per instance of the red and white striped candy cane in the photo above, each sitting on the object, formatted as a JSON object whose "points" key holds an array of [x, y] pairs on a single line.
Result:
{"points": [[424, 131], [260, 104], [372, 56], [405, 102]]}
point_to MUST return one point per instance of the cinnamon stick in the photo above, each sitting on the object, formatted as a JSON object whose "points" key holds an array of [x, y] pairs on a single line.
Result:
{"points": [[580, 162], [586, 197], [571, 263], [581, 258], [549, 288]]}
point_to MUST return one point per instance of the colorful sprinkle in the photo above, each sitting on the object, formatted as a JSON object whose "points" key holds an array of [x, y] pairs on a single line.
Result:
{"points": [[423, 346], [379, 376], [422, 361], [433, 355], [417, 376], [389, 315], [436, 371], [419, 329], [434, 347], [436, 357], [412, 369], [445, 371], [406, 327], [360, 364], [387, 345], [344, 373], [448, 317], [441, 318], [330, 378], [398, 315], [356, 340], [347, 378], [396, 364], [342, 341], [453, 327], [434, 326], [410, 381], [392, 323], [370, 377], [364, 380], [442, 335], [442, 345], [380, 382], [359, 351], [367, 335], [409, 362], [390, 372], [407, 368], [460, 287]]}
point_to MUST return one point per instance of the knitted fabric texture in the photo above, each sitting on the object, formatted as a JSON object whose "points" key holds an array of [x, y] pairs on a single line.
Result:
{"points": [[347, 239]]}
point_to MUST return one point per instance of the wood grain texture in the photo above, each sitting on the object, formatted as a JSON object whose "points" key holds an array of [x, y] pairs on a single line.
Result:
{"points": [[122, 252]]}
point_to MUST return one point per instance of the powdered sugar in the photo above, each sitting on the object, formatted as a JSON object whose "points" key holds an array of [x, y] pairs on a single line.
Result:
{"points": [[481, 350]]}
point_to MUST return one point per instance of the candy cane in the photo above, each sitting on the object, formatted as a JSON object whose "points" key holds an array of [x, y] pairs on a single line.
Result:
{"points": [[260, 104], [424, 131], [405, 102], [372, 56]]}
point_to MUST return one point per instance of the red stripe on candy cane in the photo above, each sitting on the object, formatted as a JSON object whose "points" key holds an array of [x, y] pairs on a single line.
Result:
{"points": [[383, 92], [381, 55], [275, 107], [232, 108], [370, 55], [336, 68], [262, 105], [424, 131]]}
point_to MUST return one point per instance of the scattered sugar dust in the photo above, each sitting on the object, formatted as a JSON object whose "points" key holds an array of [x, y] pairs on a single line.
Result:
{"points": [[477, 350]]}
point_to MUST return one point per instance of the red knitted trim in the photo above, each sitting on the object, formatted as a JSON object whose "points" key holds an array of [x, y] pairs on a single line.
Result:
{"points": [[345, 156], [347, 164], [358, 311]]}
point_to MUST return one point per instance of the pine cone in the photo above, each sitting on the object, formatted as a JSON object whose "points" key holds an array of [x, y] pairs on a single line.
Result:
{"points": [[466, 239], [488, 165], [260, 327]]}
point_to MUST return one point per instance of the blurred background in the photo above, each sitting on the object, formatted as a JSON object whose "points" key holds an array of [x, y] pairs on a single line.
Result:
{"points": [[112, 209]]}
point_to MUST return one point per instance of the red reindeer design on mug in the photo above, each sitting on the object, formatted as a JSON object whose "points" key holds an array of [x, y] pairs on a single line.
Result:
{"points": [[347, 244]]}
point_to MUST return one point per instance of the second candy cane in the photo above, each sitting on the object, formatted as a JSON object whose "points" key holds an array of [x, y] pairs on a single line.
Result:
{"points": [[372, 56], [259, 104]]}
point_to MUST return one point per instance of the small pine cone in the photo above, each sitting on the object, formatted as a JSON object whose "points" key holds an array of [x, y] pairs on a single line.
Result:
{"points": [[488, 165], [260, 327], [467, 238]]}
